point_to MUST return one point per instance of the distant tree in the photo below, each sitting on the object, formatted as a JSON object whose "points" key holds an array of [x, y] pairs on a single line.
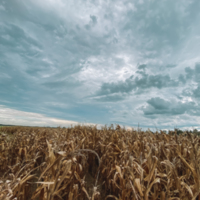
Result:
{"points": [[195, 131], [178, 131]]}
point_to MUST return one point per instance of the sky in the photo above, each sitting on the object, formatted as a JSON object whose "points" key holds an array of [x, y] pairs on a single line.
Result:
{"points": [[124, 62]]}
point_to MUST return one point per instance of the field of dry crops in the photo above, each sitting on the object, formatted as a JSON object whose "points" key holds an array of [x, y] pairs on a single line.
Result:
{"points": [[82, 163]]}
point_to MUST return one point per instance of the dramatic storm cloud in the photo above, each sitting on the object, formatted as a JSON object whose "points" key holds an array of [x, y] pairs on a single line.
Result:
{"points": [[100, 62]]}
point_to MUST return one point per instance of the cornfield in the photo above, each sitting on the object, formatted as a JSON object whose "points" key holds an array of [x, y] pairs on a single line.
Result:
{"points": [[85, 163]]}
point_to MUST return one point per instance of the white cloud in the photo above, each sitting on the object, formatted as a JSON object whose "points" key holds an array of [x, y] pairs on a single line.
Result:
{"points": [[2, 8], [15, 117]]}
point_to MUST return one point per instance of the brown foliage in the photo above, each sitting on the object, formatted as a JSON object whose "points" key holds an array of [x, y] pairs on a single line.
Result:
{"points": [[86, 163]]}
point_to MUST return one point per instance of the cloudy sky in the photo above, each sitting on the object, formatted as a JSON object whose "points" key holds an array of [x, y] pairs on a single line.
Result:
{"points": [[101, 62]]}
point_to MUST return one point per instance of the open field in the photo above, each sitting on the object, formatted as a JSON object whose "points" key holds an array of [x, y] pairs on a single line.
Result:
{"points": [[81, 163]]}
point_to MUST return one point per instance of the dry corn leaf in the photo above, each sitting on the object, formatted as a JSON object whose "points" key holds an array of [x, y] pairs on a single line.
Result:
{"points": [[137, 184]]}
